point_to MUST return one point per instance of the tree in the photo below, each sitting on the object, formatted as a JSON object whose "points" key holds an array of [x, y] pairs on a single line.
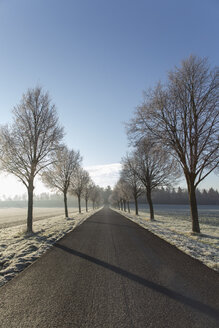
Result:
{"points": [[27, 145], [77, 185], [122, 191], [184, 116], [88, 187], [115, 198], [129, 174], [117, 195], [126, 193], [154, 167], [106, 195], [58, 175], [95, 195]]}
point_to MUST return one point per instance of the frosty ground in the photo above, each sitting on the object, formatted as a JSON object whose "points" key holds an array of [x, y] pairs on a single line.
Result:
{"points": [[203, 246], [17, 250]]}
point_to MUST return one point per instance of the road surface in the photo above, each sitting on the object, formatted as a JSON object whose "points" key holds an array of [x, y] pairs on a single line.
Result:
{"points": [[109, 272]]}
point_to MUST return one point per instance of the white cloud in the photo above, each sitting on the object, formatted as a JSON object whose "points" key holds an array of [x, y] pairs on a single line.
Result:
{"points": [[105, 175]]}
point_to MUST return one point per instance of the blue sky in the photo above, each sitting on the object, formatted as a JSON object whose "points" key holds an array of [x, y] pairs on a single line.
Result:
{"points": [[95, 57]]}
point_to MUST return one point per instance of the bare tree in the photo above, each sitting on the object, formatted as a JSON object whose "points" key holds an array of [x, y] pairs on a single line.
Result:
{"points": [[184, 116], [58, 175], [129, 174], [115, 198], [106, 195], [95, 195], [88, 187], [122, 192], [28, 144], [78, 183], [126, 193], [154, 167]]}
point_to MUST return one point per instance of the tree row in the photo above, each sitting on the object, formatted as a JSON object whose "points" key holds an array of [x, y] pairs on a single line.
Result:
{"points": [[174, 132], [33, 145]]}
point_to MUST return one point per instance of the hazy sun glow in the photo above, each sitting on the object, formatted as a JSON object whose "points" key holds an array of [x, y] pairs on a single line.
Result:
{"points": [[102, 175]]}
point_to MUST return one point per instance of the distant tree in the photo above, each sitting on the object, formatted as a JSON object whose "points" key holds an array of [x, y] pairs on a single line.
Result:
{"points": [[58, 175], [184, 116], [77, 185], [115, 198], [27, 146], [213, 197], [44, 196], [87, 190], [106, 194], [154, 168], [119, 193], [129, 174], [95, 196], [126, 191], [169, 196], [204, 195], [123, 191]]}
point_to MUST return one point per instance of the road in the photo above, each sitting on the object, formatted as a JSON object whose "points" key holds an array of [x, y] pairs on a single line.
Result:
{"points": [[110, 272]]}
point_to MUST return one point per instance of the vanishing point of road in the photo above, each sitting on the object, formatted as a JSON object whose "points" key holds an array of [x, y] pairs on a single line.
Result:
{"points": [[110, 272]]}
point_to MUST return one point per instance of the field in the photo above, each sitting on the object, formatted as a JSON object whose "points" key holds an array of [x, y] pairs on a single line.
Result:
{"points": [[10, 217], [208, 214]]}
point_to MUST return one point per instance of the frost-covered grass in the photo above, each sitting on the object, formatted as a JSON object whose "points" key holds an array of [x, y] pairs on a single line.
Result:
{"points": [[18, 250], [203, 246]]}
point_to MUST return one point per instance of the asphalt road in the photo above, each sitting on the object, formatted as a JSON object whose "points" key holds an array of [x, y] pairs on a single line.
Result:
{"points": [[109, 272]]}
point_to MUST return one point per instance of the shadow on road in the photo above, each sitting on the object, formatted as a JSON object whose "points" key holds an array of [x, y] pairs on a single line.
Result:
{"points": [[197, 305]]}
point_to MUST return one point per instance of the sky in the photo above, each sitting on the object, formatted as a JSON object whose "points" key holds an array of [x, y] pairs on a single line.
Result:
{"points": [[96, 57]]}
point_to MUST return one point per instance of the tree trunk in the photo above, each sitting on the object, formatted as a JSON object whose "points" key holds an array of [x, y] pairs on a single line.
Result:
{"points": [[86, 201], [93, 205], [79, 204], [149, 199], [30, 207], [128, 206], [66, 205], [136, 205], [193, 207], [124, 202]]}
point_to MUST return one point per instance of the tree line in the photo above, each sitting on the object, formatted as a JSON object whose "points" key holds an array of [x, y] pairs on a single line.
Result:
{"points": [[33, 146], [174, 132], [179, 196], [50, 200]]}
